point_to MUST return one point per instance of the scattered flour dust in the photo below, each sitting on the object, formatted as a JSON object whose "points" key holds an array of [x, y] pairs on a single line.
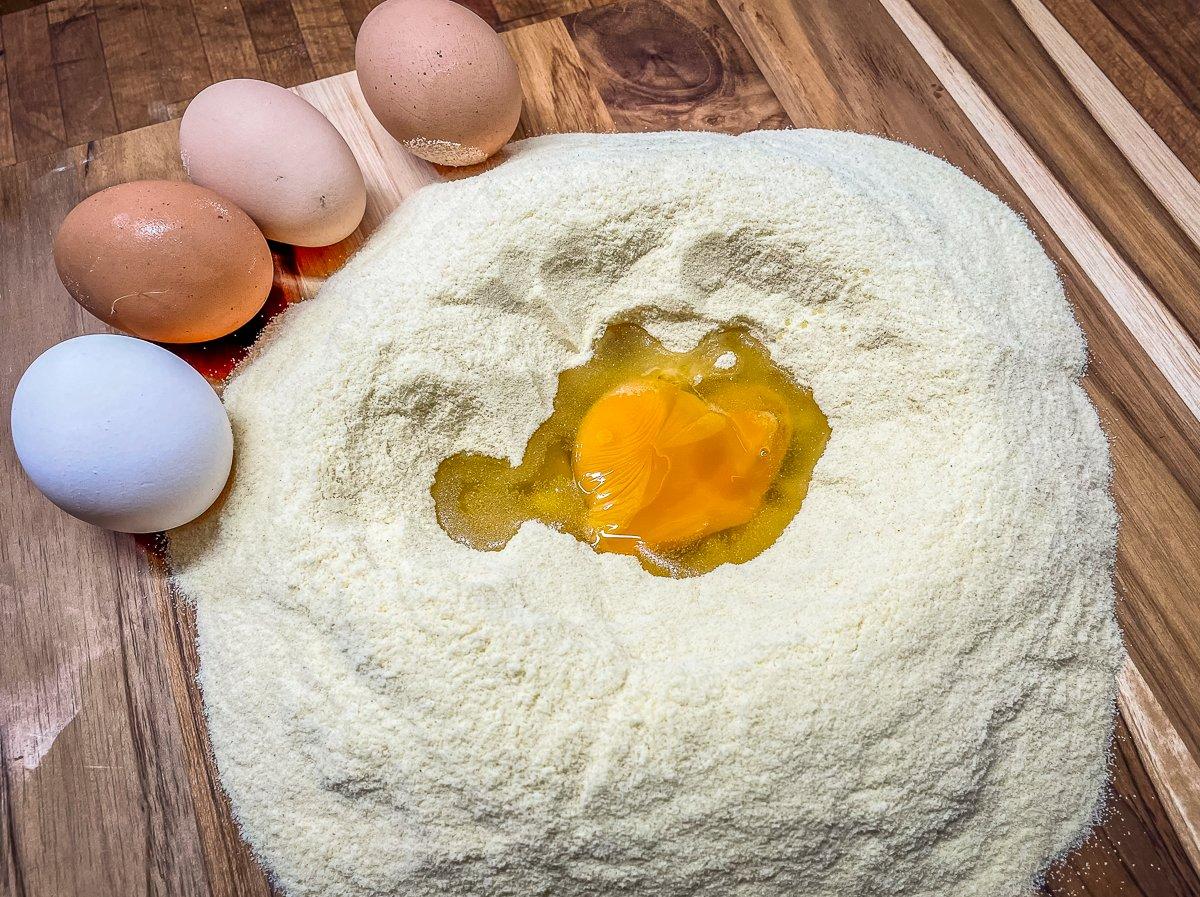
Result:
{"points": [[910, 693]]}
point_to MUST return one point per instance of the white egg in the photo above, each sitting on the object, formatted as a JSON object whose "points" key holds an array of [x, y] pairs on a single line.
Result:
{"points": [[121, 433]]}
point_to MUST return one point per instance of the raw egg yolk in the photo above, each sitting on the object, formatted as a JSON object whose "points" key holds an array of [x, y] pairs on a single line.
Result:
{"points": [[662, 466], [687, 460]]}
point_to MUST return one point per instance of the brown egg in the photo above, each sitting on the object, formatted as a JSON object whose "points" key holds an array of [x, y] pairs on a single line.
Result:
{"points": [[438, 79], [164, 260]]}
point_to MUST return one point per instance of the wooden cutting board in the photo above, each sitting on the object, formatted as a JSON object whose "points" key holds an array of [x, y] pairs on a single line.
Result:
{"points": [[108, 788]]}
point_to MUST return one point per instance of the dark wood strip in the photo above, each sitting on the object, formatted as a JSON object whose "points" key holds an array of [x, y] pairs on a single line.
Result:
{"points": [[1167, 34], [282, 54], [1173, 115], [225, 35], [357, 10], [179, 53], [1120, 857], [8, 152], [129, 59], [327, 35], [993, 43], [516, 13], [679, 66], [87, 105], [35, 108], [837, 64]]}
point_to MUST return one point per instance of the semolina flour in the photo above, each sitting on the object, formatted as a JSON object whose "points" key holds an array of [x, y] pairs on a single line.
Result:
{"points": [[910, 693]]}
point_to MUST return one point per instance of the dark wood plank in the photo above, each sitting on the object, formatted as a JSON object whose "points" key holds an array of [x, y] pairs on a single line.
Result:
{"points": [[1167, 34], [679, 66], [839, 65], [90, 736], [327, 36], [225, 35], [1171, 110], [282, 54], [517, 13], [87, 105], [8, 152], [129, 59], [995, 45], [357, 10], [179, 53], [35, 107], [1134, 851]]}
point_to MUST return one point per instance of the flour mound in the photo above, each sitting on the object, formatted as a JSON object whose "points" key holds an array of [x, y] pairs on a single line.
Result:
{"points": [[910, 693]]}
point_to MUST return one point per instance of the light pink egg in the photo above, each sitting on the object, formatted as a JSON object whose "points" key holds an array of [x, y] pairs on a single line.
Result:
{"points": [[438, 79], [277, 157]]}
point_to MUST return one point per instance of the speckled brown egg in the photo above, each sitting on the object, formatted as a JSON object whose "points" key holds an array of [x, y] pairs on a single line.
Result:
{"points": [[438, 79], [276, 156], [164, 260]]}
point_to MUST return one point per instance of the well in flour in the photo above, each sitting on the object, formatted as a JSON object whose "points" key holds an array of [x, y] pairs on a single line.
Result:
{"points": [[687, 460]]}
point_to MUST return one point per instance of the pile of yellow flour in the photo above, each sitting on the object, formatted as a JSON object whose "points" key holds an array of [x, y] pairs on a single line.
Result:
{"points": [[910, 693]]}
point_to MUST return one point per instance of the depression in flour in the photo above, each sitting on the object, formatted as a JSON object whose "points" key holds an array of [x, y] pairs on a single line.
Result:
{"points": [[909, 693]]}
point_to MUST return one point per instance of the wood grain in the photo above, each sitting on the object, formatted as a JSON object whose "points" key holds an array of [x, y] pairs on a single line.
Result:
{"points": [[1167, 34], [327, 36], [280, 47], [78, 56], [35, 106], [679, 63], [559, 94], [107, 784], [226, 38], [904, 98], [1011, 66], [134, 79], [8, 152], [1175, 117], [179, 55]]}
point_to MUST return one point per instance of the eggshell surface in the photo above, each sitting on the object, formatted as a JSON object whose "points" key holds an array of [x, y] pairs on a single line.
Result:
{"points": [[438, 79], [121, 433], [277, 157], [164, 260]]}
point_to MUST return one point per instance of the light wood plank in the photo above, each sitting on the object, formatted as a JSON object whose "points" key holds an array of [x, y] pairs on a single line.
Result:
{"points": [[1171, 766]]}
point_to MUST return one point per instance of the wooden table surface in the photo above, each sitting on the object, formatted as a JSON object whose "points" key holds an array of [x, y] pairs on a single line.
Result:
{"points": [[1089, 130]]}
